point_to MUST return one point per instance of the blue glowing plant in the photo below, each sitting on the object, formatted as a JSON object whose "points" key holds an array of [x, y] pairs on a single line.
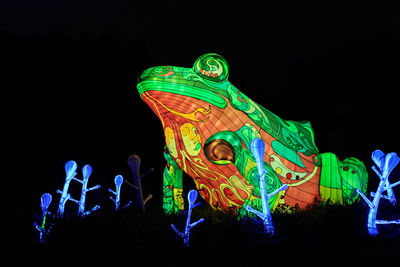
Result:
{"points": [[192, 197], [118, 180], [70, 169], [134, 164], [45, 201], [86, 171], [385, 163], [257, 147]]}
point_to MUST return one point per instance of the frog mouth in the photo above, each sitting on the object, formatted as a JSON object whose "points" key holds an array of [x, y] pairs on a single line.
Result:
{"points": [[178, 107], [183, 90]]}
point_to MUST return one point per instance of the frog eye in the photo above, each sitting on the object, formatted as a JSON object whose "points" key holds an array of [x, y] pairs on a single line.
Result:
{"points": [[212, 67], [220, 152]]}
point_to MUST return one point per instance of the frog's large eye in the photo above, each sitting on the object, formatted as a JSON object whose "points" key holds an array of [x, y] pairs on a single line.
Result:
{"points": [[220, 152], [212, 67]]}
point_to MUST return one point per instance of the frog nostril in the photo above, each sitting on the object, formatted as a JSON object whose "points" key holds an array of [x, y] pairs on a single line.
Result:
{"points": [[145, 74], [163, 71]]}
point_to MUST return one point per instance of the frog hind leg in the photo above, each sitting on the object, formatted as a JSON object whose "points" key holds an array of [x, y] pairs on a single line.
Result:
{"points": [[340, 179], [173, 202]]}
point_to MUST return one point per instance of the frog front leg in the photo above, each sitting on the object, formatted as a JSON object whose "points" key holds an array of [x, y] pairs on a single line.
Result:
{"points": [[173, 202]]}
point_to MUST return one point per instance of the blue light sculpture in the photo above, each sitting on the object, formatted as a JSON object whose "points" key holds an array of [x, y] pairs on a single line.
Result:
{"points": [[118, 180], [257, 147], [385, 163], [86, 171], [70, 169], [45, 201], [192, 197]]}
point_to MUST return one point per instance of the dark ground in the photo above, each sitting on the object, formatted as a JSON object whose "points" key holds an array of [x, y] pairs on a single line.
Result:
{"points": [[323, 235], [73, 97]]}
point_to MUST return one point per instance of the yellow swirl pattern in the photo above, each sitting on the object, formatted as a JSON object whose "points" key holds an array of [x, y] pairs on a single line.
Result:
{"points": [[191, 139], [170, 141], [178, 198], [236, 182], [191, 116], [198, 168]]}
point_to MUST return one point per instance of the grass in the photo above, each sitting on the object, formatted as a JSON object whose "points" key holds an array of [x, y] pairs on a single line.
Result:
{"points": [[324, 232]]}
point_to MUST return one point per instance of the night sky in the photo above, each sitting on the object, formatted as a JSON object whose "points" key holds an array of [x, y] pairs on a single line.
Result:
{"points": [[70, 68]]}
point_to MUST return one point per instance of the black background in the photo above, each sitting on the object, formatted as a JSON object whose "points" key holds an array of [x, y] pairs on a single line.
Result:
{"points": [[69, 71]]}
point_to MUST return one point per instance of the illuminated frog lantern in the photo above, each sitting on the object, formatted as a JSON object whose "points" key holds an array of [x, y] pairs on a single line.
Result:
{"points": [[208, 125]]}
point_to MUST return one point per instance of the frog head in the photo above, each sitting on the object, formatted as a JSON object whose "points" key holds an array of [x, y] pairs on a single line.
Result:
{"points": [[208, 125]]}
